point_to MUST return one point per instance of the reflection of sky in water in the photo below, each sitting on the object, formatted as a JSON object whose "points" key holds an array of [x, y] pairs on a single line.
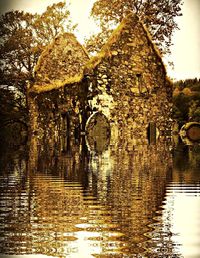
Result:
{"points": [[119, 203], [182, 209]]}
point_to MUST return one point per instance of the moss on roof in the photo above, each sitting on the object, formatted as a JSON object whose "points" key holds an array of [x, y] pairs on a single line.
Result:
{"points": [[106, 49], [105, 52], [57, 65], [56, 84], [48, 49]]}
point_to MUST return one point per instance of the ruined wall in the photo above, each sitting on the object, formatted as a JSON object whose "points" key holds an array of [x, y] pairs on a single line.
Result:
{"points": [[61, 63], [126, 81], [58, 94], [60, 115], [129, 85]]}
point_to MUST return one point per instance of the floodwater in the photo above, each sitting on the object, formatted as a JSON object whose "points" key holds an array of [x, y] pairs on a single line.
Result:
{"points": [[122, 202]]}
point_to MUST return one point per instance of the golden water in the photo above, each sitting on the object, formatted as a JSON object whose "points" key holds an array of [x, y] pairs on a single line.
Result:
{"points": [[119, 203]]}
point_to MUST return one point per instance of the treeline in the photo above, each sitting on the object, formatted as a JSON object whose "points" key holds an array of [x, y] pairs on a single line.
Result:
{"points": [[186, 101]]}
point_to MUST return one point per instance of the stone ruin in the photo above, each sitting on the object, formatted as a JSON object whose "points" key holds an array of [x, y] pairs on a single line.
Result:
{"points": [[125, 87]]}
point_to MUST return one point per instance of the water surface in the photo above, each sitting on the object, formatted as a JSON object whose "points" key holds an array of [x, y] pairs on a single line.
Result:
{"points": [[143, 202]]}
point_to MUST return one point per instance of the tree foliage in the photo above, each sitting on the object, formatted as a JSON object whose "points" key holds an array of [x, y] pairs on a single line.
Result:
{"points": [[158, 16], [186, 100], [12, 116], [23, 38], [55, 20]]}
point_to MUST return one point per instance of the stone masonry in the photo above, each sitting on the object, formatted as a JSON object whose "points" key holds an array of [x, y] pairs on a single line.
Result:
{"points": [[130, 82], [126, 82]]}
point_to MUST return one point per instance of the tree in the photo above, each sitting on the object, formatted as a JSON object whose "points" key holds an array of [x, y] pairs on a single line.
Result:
{"points": [[12, 116], [186, 100], [54, 21], [23, 38], [158, 16], [16, 49]]}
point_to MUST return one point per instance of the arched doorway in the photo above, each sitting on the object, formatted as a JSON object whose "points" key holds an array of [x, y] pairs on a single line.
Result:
{"points": [[97, 132]]}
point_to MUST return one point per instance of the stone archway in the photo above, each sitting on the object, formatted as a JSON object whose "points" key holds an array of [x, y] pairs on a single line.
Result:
{"points": [[97, 132]]}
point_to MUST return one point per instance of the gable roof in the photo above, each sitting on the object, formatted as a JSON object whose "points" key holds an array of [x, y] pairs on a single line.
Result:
{"points": [[62, 62], [130, 20], [89, 64]]}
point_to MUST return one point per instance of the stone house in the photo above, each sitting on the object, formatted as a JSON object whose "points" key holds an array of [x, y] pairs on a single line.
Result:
{"points": [[123, 92]]}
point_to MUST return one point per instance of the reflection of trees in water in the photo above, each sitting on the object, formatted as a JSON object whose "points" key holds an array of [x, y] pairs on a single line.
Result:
{"points": [[53, 214], [186, 162], [113, 197], [13, 206], [48, 157]]}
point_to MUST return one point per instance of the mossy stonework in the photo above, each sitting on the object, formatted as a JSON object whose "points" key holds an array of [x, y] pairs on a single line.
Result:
{"points": [[58, 95], [126, 81]]}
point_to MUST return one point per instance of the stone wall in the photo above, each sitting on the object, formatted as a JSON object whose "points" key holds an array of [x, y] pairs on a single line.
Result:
{"points": [[60, 114], [62, 62], [126, 81], [129, 84], [58, 95]]}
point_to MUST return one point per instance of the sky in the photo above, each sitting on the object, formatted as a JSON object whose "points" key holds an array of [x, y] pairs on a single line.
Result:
{"points": [[185, 53]]}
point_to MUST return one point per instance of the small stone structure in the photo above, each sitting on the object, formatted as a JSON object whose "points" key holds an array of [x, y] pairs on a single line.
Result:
{"points": [[190, 133], [126, 82]]}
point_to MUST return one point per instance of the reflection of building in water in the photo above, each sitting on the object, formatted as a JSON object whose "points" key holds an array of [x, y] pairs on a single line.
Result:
{"points": [[99, 204], [132, 185], [49, 158], [52, 213]]}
